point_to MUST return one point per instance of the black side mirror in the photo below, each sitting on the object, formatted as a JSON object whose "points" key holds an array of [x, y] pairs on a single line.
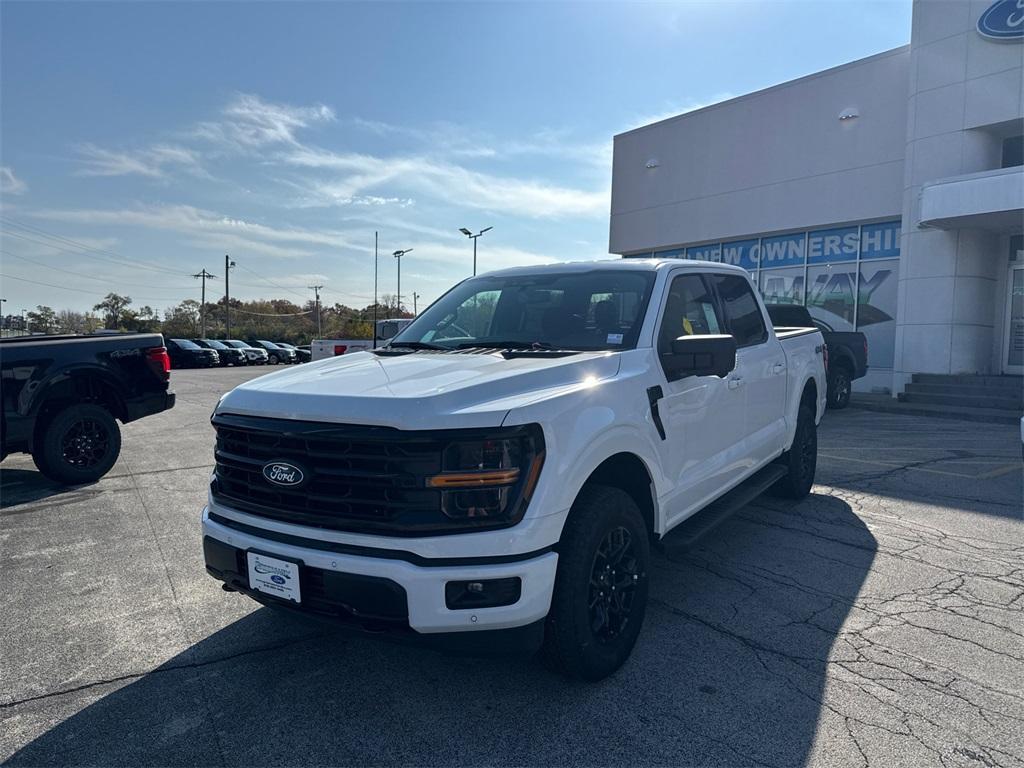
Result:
{"points": [[702, 356]]}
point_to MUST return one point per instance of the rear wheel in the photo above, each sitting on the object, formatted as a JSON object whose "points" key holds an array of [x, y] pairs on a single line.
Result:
{"points": [[840, 387], [600, 594], [78, 444], [801, 460]]}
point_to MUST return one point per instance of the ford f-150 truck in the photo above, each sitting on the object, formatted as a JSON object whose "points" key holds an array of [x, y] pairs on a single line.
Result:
{"points": [[499, 470], [62, 396], [847, 351]]}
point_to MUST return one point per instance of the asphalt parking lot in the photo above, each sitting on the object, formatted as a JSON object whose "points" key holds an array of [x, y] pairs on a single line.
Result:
{"points": [[881, 621]]}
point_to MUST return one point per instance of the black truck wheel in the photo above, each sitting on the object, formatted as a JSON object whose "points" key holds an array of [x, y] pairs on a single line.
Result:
{"points": [[840, 387], [600, 594], [78, 444], [801, 460]]}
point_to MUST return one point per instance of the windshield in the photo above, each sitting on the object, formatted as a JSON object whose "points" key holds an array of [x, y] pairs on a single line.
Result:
{"points": [[236, 344], [600, 309], [213, 344], [186, 344], [268, 344]]}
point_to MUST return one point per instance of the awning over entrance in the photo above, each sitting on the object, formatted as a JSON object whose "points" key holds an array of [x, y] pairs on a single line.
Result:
{"points": [[990, 200]]}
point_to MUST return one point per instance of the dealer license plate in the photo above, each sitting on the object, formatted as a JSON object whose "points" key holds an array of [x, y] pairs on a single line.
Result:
{"points": [[274, 576]]}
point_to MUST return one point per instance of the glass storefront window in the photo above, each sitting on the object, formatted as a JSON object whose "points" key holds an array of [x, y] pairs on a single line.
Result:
{"points": [[819, 268], [876, 310], [783, 286], [830, 290]]}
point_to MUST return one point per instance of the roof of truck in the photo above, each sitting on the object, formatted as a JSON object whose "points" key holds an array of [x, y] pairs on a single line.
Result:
{"points": [[627, 264]]}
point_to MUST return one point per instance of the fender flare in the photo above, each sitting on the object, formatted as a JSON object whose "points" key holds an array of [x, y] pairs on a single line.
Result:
{"points": [[619, 440], [35, 393]]}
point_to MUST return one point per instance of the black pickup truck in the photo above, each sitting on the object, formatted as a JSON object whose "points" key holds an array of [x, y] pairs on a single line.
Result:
{"points": [[847, 350], [62, 397]]}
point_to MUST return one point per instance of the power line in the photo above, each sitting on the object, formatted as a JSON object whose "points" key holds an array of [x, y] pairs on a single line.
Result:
{"points": [[270, 282], [76, 290], [82, 247], [271, 314], [35, 263]]}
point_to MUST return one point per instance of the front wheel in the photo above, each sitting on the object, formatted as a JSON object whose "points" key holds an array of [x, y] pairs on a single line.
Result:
{"points": [[600, 594], [801, 460], [840, 387], [78, 444]]}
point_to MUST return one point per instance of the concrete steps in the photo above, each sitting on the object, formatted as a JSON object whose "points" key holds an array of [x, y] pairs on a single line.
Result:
{"points": [[988, 399], [1001, 393]]}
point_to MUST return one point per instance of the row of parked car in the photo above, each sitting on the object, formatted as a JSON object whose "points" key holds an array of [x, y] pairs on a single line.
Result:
{"points": [[208, 353]]}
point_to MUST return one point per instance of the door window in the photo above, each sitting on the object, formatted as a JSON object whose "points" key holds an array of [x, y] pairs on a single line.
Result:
{"points": [[689, 311], [742, 314]]}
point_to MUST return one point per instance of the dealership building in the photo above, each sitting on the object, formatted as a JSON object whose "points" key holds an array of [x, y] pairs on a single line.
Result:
{"points": [[886, 194]]}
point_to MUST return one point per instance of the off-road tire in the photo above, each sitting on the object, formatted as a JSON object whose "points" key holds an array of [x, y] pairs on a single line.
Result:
{"points": [[801, 460], [78, 444], [576, 643]]}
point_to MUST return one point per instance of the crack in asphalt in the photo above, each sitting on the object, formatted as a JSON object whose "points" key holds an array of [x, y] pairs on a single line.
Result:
{"points": [[164, 669]]}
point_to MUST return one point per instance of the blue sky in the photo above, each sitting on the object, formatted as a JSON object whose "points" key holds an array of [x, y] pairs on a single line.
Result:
{"points": [[155, 138]]}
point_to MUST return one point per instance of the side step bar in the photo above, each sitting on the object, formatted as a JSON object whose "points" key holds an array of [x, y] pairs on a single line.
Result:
{"points": [[687, 533]]}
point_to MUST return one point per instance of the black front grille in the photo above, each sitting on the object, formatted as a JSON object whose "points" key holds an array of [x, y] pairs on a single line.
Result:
{"points": [[357, 478]]}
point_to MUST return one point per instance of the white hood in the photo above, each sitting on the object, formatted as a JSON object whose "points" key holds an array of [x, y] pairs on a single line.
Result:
{"points": [[421, 390]]}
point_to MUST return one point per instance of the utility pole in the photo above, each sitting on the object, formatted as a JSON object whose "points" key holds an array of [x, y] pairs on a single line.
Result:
{"points": [[375, 290], [316, 292], [473, 237], [228, 264], [398, 255], [415, 298], [202, 307]]}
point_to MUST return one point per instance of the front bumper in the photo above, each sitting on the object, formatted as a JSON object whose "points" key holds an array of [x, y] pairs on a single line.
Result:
{"points": [[420, 585]]}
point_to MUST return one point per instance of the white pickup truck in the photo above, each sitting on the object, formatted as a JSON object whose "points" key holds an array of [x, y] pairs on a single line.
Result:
{"points": [[495, 476]]}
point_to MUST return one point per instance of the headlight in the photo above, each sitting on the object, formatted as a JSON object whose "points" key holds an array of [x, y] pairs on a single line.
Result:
{"points": [[490, 479]]}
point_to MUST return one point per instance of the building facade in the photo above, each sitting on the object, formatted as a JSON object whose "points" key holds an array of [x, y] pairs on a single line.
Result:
{"points": [[886, 194]]}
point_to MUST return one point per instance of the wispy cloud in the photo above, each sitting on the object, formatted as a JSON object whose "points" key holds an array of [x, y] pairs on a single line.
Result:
{"points": [[674, 110], [249, 122], [210, 229], [355, 174], [9, 183], [154, 162]]}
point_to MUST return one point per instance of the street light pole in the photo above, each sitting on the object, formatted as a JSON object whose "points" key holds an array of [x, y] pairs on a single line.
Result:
{"points": [[228, 264], [415, 298], [473, 237], [375, 241], [398, 255]]}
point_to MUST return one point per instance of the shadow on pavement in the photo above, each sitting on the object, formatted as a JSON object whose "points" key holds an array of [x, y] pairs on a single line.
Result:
{"points": [[23, 486], [729, 670]]}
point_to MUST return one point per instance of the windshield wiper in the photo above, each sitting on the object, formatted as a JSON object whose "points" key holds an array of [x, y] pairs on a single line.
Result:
{"points": [[515, 344], [416, 345]]}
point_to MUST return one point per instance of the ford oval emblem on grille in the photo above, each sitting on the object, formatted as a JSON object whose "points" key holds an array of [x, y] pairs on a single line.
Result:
{"points": [[283, 473]]}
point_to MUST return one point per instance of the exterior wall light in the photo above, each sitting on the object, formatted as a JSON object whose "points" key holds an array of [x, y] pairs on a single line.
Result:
{"points": [[652, 163]]}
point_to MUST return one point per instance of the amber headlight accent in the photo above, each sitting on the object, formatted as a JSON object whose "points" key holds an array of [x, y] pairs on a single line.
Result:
{"points": [[489, 480]]}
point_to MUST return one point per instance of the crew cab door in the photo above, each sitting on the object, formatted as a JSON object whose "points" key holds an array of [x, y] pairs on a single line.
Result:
{"points": [[703, 415], [760, 368]]}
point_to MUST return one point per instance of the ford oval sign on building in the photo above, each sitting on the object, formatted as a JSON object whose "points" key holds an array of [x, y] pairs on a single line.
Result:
{"points": [[1003, 20]]}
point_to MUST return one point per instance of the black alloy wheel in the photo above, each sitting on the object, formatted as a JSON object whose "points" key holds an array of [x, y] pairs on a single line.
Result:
{"points": [[78, 444], [613, 583]]}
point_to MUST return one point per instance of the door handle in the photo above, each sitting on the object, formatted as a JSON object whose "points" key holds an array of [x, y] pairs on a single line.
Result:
{"points": [[735, 382], [778, 368]]}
